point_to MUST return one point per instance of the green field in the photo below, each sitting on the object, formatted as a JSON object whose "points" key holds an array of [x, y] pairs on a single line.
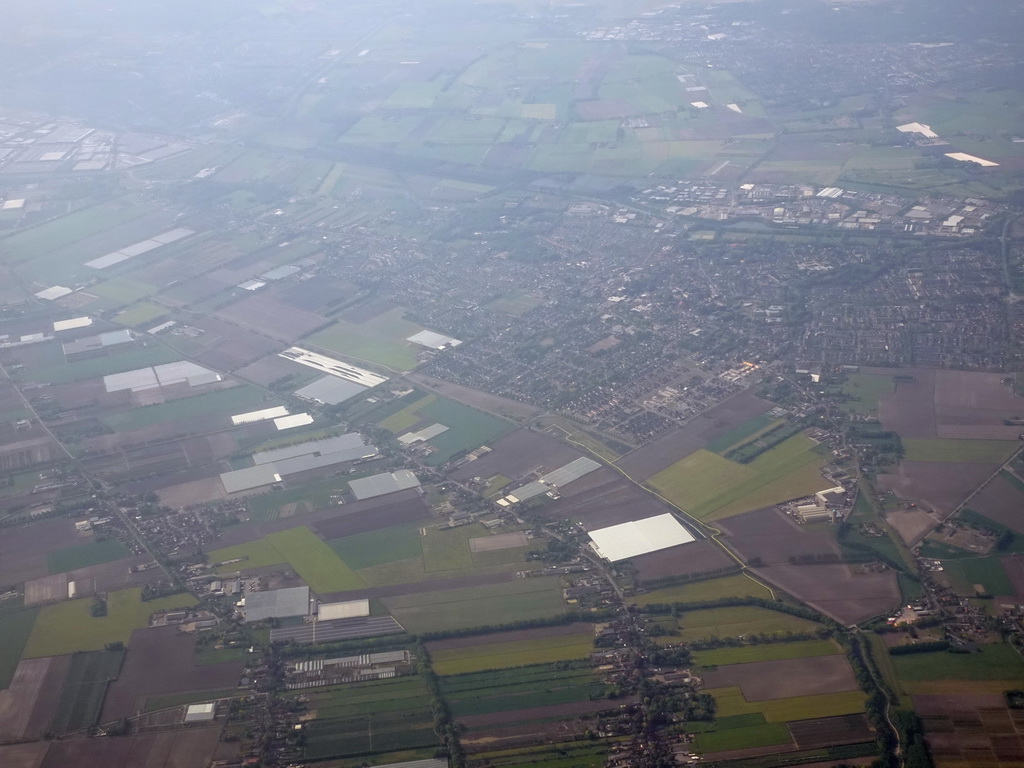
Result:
{"points": [[478, 606], [507, 690], [709, 486], [447, 550], [992, 662], [381, 339], [560, 755], [731, 702], [986, 572], [143, 313], [514, 304], [737, 585], [211, 405], [765, 735], [973, 451], [765, 652], [468, 428], [308, 555], [81, 697], [15, 629], [515, 653], [125, 358], [739, 620], [864, 391], [84, 555], [69, 626], [387, 545], [741, 432]]}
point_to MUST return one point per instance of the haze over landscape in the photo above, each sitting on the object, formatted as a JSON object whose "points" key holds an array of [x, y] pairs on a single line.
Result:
{"points": [[466, 384]]}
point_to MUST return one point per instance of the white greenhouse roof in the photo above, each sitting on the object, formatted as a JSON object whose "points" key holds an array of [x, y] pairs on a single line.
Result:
{"points": [[626, 540], [263, 415], [333, 367], [350, 609], [433, 340], [295, 420], [74, 322]]}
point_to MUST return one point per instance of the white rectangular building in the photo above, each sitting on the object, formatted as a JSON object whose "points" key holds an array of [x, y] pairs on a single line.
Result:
{"points": [[639, 537]]}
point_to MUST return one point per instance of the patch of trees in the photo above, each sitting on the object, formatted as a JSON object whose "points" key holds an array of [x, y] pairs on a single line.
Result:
{"points": [[553, 621], [444, 726], [750, 450], [931, 647]]}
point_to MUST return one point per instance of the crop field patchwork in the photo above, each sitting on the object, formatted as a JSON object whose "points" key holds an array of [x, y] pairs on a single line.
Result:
{"points": [[485, 693], [765, 652], [69, 626], [971, 451], [15, 628], [84, 688], [731, 702], [968, 574]]}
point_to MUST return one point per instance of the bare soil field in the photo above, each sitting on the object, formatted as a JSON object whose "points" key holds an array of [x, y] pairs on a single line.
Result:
{"points": [[272, 318], [1014, 567], [603, 498], [772, 536], [976, 727], [499, 541], [831, 731], [942, 485], [192, 748], [23, 755], [694, 558], [1001, 501], [785, 678], [108, 577], [315, 294], [27, 706], [835, 590], [268, 369], [519, 635], [502, 406], [679, 443], [46, 589], [911, 524], [366, 311], [370, 515], [230, 347], [516, 454], [161, 660], [23, 549]]}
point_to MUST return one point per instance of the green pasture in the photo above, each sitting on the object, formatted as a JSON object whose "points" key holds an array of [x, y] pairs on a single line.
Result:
{"points": [[142, 313], [69, 626], [991, 662], [748, 430], [489, 604], [730, 702], [737, 585], [364, 550], [739, 620], [709, 486], [381, 339], [952, 450], [865, 389], [212, 405], [515, 653], [765, 652], [986, 572], [84, 555], [524, 688], [15, 628], [765, 735]]}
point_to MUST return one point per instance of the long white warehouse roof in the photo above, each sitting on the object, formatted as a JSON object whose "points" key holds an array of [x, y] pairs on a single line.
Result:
{"points": [[626, 540]]}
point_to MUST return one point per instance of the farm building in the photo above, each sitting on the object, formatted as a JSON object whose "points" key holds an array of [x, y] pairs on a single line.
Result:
{"points": [[293, 420], [137, 249], [639, 537], [348, 609], [253, 416], [551, 481], [93, 343], [427, 433], [201, 713], [249, 478], [273, 465], [183, 372], [71, 324], [432, 340], [276, 604], [330, 390], [384, 483]]}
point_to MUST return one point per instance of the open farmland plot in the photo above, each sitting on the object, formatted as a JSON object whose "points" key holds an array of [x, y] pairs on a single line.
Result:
{"points": [[272, 318], [511, 649], [30, 701], [162, 660], [363, 550], [192, 748], [739, 620], [1002, 500], [930, 672], [737, 585], [967, 451], [731, 702], [69, 626], [84, 555], [764, 735], [15, 628], [380, 339], [466, 607], [192, 413], [603, 498], [518, 453], [772, 537], [743, 654], [942, 485], [970, 727], [227, 347], [708, 486], [785, 678], [24, 549], [836, 590], [84, 688], [124, 357], [679, 443], [973, 575]]}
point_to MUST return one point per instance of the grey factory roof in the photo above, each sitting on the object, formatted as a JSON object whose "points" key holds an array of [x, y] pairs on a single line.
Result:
{"points": [[249, 478], [276, 603], [574, 470], [330, 390], [347, 442], [89, 343], [530, 490], [386, 482]]}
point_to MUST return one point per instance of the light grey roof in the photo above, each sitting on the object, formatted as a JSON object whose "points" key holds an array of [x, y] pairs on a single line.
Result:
{"points": [[574, 470], [530, 490], [433, 340], [276, 603], [330, 390], [250, 477], [315, 461], [386, 482], [328, 445]]}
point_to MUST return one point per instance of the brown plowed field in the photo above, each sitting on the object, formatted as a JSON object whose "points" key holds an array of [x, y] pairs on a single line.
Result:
{"points": [[773, 536], [521, 635], [192, 748], [23, 548], [1014, 567], [942, 485], [835, 590], [785, 678], [519, 452], [23, 755], [603, 498], [275, 319], [678, 443], [27, 706], [972, 727], [1001, 501], [695, 557], [831, 731], [502, 406], [161, 660]]}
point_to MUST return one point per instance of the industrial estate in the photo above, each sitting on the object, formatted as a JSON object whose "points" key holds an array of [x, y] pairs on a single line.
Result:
{"points": [[470, 385]]}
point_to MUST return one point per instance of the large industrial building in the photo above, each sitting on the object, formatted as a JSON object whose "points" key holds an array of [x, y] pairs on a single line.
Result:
{"points": [[276, 604], [384, 483], [639, 537]]}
